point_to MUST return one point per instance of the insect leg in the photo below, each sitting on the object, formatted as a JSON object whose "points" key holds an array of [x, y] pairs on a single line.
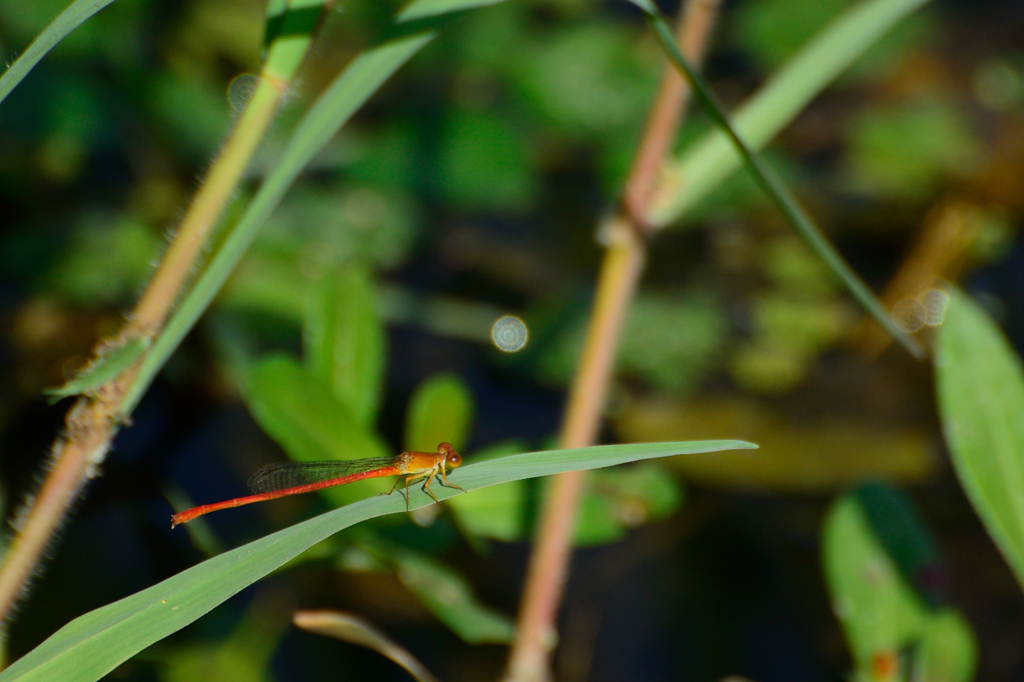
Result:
{"points": [[426, 486], [446, 484]]}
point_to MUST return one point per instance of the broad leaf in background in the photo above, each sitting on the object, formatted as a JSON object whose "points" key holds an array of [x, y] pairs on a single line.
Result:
{"points": [[888, 626], [345, 343], [450, 598], [304, 416], [440, 411], [901, 530], [94, 644], [948, 650], [878, 610], [980, 389]]}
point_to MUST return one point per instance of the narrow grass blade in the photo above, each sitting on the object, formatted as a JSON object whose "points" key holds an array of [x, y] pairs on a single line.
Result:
{"points": [[980, 386], [109, 365], [92, 645], [327, 115], [778, 192], [704, 165], [66, 22], [421, 9]]}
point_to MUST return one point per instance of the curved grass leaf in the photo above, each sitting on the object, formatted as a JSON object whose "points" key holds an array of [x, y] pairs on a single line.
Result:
{"points": [[66, 22], [94, 644], [107, 366], [421, 9], [777, 191], [355, 630], [333, 108], [980, 387], [703, 166]]}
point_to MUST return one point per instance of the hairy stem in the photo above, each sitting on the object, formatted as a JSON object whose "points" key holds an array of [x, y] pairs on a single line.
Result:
{"points": [[93, 420]]}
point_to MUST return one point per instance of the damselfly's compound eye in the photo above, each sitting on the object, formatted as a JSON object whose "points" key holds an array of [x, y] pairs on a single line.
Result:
{"points": [[454, 459]]}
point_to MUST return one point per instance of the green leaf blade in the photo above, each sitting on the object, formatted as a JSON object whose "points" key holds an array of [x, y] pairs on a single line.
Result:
{"points": [[108, 366], [97, 642], [703, 166], [422, 9], [66, 22], [980, 386], [301, 413], [363, 76], [345, 342]]}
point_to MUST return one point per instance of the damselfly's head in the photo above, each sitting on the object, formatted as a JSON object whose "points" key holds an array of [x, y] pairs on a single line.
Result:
{"points": [[451, 458]]}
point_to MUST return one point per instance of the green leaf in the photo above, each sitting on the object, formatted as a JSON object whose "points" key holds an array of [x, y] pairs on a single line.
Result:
{"points": [[948, 651], [703, 166], [355, 630], [329, 113], [92, 645], [420, 9], [484, 163], [66, 22], [109, 365], [898, 526], [303, 415], [980, 388], [450, 598], [344, 342], [441, 411], [878, 610]]}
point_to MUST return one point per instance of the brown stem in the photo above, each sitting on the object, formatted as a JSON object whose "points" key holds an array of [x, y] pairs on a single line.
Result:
{"points": [[618, 279]]}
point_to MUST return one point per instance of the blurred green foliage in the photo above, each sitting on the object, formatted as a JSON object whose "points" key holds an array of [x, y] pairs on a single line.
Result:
{"points": [[892, 633], [501, 122]]}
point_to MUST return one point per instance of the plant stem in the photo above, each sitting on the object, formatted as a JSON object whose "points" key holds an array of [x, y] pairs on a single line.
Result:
{"points": [[93, 421], [618, 279]]}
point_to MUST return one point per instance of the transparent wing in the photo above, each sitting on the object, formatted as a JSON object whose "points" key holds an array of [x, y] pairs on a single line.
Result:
{"points": [[283, 475]]}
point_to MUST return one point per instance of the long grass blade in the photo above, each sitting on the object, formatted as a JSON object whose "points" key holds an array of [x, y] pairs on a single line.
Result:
{"points": [[92, 645], [66, 22], [330, 112], [776, 189]]}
